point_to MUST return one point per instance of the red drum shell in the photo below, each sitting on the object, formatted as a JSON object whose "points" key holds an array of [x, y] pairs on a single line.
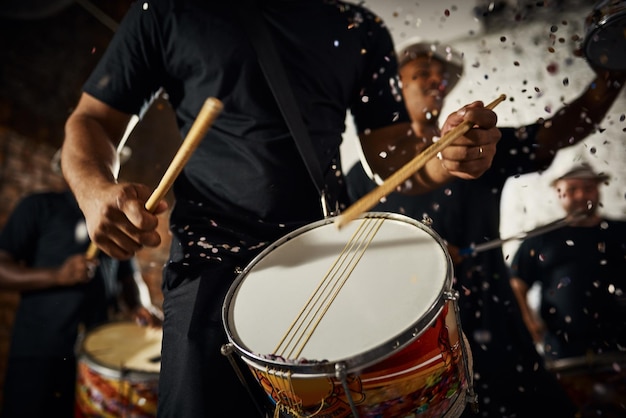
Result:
{"points": [[359, 318]]}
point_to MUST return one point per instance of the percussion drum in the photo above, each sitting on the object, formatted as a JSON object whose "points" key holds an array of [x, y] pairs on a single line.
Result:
{"points": [[605, 38], [359, 321], [118, 371], [596, 383]]}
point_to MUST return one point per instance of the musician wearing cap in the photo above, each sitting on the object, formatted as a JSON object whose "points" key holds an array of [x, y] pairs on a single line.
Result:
{"points": [[579, 324], [581, 268], [509, 377]]}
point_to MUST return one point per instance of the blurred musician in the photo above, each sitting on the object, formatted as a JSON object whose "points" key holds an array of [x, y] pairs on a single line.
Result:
{"points": [[62, 294]]}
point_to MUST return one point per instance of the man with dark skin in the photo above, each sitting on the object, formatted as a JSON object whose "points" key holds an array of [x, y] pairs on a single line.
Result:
{"points": [[578, 266], [245, 185]]}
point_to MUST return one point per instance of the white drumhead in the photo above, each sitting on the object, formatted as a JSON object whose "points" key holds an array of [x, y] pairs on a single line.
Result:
{"points": [[387, 294], [124, 346]]}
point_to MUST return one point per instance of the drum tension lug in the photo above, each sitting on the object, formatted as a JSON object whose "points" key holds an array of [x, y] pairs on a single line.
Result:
{"points": [[227, 349], [340, 371], [451, 295], [427, 220]]}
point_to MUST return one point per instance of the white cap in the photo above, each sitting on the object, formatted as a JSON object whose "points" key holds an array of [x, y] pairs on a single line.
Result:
{"points": [[582, 171], [451, 58]]}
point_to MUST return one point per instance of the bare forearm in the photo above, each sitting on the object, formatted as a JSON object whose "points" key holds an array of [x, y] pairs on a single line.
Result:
{"points": [[19, 277], [89, 157], [15, 277]]}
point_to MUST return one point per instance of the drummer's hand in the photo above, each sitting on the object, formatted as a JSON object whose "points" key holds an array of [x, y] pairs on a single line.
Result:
{"points": [[118, 222], [469, 156], [75, 270], [149, 316]]}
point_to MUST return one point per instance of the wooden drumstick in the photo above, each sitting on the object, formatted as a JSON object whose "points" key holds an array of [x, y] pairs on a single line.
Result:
{"points": [[393, 181], [209, 112]]}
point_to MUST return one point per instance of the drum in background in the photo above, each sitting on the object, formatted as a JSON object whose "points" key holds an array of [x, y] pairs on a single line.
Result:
{"points": [[118, 371], [358, 321], [605, 39], [596, 383]]}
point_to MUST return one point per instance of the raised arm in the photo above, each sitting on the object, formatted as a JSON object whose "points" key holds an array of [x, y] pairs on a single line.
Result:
{"points": [[388, 149], [16, 276]]}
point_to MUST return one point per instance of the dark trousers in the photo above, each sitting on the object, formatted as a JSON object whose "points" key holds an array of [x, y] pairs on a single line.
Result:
{"points": [[196, 379]]}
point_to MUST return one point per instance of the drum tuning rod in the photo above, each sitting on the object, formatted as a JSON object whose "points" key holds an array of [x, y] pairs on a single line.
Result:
{"points": [[396, 179], [208, 113], [559, 223]]}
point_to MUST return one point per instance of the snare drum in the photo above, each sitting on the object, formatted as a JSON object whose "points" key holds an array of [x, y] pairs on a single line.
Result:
{"points": [[358, 321], [118, 371], [605, 39]]}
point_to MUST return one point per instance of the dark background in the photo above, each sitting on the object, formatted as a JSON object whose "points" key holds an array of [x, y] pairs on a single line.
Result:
{"points": [[47, 50]]}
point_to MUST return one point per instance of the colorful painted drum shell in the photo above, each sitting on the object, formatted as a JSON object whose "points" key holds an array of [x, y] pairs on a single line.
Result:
{"points": [[118, 371], [388, 320], [425, 379]]}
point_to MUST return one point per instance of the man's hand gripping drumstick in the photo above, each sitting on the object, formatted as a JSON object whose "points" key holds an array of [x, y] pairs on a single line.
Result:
{"points": [[155, 204], [401, 175]]}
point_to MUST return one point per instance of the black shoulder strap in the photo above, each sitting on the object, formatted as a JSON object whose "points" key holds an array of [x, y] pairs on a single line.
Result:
{"points": [[276, 77]]}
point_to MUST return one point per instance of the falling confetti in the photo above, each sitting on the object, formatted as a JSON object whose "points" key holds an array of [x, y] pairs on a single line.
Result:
{"points": [[552, 68], [565, 281]]}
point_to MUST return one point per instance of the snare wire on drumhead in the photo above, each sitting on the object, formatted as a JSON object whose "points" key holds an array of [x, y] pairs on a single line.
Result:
{"points": [[303, 326]]}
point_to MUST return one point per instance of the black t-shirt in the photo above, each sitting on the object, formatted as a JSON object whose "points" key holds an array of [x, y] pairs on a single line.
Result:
{"points": [[582, 271], [42, 231], [248, 164]]}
